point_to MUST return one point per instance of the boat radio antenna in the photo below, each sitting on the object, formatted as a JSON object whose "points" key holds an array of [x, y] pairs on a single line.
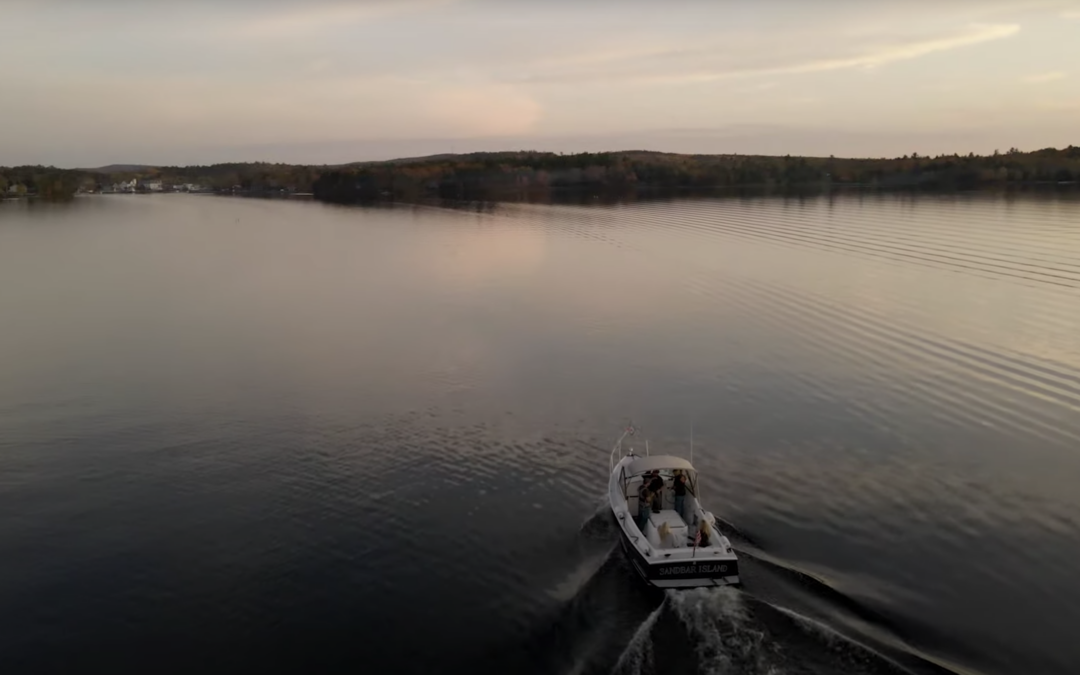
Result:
{"points": [[691, 441]]}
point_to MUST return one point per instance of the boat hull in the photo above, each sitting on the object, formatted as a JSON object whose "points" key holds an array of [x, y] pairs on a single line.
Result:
{"points": [[693, 573]]}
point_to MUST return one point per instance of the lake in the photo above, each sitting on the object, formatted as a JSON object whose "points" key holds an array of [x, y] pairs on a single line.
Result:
{"points": [[273, 436]]}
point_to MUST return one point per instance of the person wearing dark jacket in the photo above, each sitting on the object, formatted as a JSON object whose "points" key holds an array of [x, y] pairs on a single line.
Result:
{"points": [[645, 500], [656, 485], [680, 488]]}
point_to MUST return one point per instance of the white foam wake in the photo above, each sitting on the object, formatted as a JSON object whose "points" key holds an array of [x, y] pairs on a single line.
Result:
{"points": [[726, 639], [638, 653], [716, 621]]}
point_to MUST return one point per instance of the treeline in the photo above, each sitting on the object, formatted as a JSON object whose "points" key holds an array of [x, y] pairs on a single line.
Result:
{"points": [[241, 178], [250, 177], [467, 176], [47, 182], [490, 175]]}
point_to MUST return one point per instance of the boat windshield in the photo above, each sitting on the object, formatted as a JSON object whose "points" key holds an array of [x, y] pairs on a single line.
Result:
{"points": [[668, 475]]}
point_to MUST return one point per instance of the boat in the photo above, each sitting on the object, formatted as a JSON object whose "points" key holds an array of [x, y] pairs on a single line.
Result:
{"points": [[667, 548]]}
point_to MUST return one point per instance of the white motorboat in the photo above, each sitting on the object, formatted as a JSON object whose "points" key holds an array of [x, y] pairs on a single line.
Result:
{"points": [[669, 549]]}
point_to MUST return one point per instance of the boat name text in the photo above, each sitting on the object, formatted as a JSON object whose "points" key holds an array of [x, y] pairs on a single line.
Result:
{"points": [[692, 569]]}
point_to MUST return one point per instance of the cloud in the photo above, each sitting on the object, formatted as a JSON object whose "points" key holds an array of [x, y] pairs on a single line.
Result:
{"points": [[485, 110], [1057, 105], [728, 59], [182, 111], [278, 73], [1071, 14], [308, 19], [1045, 77], [902, 52]]}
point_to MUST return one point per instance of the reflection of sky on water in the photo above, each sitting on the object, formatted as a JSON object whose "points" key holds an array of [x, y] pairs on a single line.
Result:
{"points": [[907, 431]]}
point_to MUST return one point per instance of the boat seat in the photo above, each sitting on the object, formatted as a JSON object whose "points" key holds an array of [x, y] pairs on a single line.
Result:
{"points": [[676, 525], [669, 495], [652, 536]]}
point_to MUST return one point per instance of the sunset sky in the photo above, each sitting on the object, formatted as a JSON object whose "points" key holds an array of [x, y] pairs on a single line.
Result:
{"points": [[94, 83]]}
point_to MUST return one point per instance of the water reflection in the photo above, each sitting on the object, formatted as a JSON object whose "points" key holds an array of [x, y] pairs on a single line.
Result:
{"points": [[264, 417]]}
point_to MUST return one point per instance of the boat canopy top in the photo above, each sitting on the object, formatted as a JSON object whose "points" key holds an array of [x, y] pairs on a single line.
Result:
{"points": [[645, 464]]}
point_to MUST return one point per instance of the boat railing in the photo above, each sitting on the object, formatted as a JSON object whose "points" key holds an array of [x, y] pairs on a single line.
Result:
{"points": [[617, 449]]}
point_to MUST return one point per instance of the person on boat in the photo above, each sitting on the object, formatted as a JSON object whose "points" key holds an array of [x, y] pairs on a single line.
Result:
{"points": [[703, 535], [645, 502], [664, 533], [679, 487], [656, 485]]}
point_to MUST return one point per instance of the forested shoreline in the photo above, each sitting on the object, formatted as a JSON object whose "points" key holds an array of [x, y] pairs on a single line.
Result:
{"points": [[478, 175]]}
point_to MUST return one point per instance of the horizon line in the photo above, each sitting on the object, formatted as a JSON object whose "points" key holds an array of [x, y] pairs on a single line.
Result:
{"points": [[140, 165]]}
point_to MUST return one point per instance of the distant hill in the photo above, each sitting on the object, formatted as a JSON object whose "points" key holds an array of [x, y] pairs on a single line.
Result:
{"points": [[482, 175], [407, 160], [476, 174], [121, 168]]}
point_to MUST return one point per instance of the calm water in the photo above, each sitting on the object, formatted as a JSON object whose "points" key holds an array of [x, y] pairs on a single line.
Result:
{"points": [[265, 436]]}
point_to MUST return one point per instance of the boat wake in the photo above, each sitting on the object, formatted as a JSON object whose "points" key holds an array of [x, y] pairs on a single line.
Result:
{"points": [[724, 631], [729, 632], [638, 653], [753, 630], [782, 622], [703, 630], [599, 608], [601, 524], [570, 585]]}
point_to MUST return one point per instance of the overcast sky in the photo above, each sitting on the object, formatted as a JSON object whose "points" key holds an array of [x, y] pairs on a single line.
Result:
{"points": [[118, 81]]}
